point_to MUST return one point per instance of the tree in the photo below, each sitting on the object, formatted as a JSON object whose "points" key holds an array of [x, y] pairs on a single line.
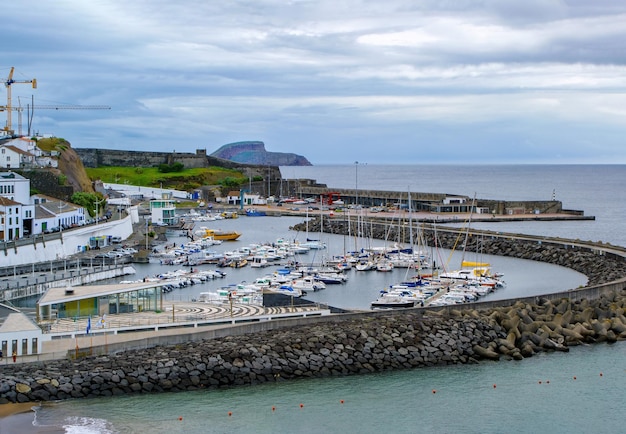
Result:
{"points": [[88, 201], [169, 168]]}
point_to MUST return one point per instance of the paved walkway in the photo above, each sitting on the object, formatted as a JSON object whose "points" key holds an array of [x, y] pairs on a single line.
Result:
{"points": [[173, 313]]}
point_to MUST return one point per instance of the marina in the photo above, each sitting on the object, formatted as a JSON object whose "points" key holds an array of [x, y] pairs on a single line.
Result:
{"points": [[453, 383]]}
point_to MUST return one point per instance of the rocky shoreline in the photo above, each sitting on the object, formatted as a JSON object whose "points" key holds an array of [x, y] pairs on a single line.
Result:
{"points": [[597, 266], [346, 345], [356, 343]]}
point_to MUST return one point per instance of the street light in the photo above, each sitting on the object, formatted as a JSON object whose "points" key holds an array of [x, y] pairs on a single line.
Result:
{"points": [[356, 182], [98, 202], [61, 206]]}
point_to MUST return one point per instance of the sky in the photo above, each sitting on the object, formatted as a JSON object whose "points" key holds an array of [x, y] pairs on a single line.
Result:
{"points": [[394, 82]]}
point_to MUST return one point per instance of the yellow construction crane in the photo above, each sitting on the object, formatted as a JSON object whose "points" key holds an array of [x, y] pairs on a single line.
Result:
{"points": [[30, 109], [9, 107], [8, 83]]}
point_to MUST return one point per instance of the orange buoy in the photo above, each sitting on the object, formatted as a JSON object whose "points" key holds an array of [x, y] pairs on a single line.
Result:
{"points": [[494, 385], [273, 408], [230, 413], [180, 418], [341, 401], [301, 405], [574, 377], [434, 391]]}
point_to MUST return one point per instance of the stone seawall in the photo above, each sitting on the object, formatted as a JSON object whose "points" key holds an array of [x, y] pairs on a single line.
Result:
{"points": [[338, 348], [593, 260], [349, 344], [343, 345]]}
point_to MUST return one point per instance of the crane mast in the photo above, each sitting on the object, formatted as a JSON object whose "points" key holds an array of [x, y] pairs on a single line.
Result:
{"points": [[8, 83], [9, 107]]}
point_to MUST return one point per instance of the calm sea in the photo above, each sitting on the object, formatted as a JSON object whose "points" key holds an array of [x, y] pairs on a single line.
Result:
{"points": [[578, 392]]}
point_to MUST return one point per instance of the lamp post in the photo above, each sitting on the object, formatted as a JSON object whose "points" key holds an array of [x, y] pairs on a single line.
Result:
{"points": [[147, 227], [356, 182], [98, 202], [61, 206]]}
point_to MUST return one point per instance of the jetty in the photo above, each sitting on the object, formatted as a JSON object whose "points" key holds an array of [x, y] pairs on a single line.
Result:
{"points": [[311, 198]]}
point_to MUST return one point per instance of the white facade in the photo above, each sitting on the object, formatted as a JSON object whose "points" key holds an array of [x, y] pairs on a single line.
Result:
{"points": [[11, 157], [20, 335], [15, 187], [233, 198], [253, 199], [24, 152], [163, 211], [54, 213], [14, 215], [10, 219], [21, 214], [454, 200]]}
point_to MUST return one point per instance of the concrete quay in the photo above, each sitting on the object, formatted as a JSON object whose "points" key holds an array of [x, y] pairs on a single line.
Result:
{"points": [[441, 204], [416, 216]]}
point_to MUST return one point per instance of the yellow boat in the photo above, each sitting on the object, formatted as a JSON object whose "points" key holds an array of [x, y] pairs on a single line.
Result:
{"points": [[230, 215], [222, 235]]}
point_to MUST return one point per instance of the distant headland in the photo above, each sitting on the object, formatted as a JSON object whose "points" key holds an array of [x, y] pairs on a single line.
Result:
{"points": [[230, 155], [253, 152]]}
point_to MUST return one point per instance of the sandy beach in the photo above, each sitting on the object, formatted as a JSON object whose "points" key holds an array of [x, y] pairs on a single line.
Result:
{"points": [[18, 419]]}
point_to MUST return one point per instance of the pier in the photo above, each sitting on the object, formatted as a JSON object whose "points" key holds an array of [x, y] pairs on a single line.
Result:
{"points": [[442, 204]]}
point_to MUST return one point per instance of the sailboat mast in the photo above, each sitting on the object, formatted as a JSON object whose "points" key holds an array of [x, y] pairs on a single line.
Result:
{"points": [[469, 221]]}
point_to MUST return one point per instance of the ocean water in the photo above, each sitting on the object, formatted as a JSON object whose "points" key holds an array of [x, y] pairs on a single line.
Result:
{"points": [[577, 392]]}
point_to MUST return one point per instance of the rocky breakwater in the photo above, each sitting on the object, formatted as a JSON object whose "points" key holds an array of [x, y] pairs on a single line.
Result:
{"points": [[551, 326], [598, 265], [351, 344], [342, 345]]}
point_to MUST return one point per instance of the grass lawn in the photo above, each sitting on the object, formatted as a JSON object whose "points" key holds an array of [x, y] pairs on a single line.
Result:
{"points": [[151, 177]]}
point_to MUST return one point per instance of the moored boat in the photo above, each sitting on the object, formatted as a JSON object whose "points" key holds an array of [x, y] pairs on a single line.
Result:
{"points": [[217, 234], [251, 212], [393, 301]]}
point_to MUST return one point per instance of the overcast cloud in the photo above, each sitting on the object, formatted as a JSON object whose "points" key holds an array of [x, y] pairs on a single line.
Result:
{"points": [[399, 81]]}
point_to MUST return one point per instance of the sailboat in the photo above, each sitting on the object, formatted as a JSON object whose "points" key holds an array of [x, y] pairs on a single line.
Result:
{"points": [[473, 274], [312, 243]]}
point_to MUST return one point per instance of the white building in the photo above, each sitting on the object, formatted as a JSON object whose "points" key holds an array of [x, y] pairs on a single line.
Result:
{"points": [[24, 152], [21, 214], [53, 214], [10, 219], [163, 211], [16, 214], [232, 198], [13, 157], [19, 335], [253, 199], [15, 187]]}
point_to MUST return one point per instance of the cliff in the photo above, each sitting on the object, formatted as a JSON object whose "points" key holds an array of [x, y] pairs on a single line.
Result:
{"points": [[61, 182], [253, 152]]}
